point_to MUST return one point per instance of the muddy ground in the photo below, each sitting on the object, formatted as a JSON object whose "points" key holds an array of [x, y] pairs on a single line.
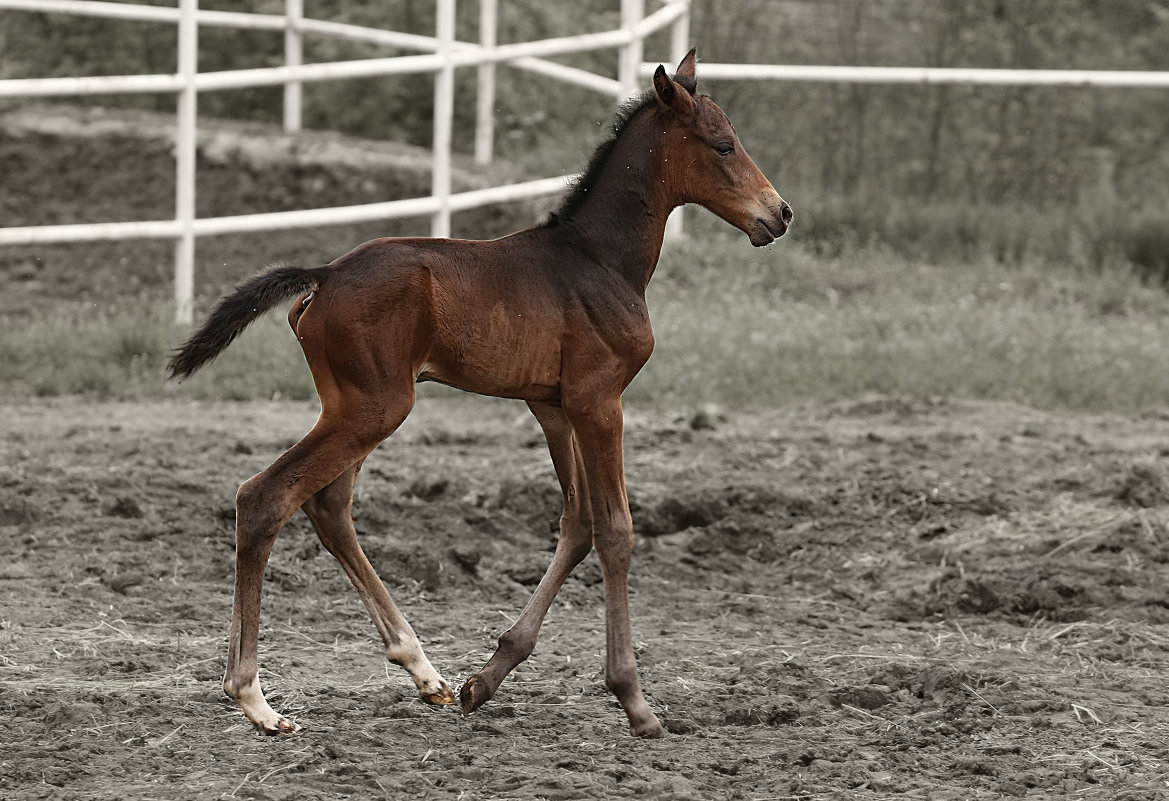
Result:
{"points": [[926, 599]]}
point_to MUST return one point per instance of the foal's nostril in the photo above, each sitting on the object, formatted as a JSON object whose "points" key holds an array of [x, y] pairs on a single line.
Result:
{"points": [[785, 214]]}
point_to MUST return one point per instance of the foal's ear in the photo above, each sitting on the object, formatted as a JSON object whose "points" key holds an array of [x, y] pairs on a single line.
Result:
{"points": [[672, 94], [685, 75]]}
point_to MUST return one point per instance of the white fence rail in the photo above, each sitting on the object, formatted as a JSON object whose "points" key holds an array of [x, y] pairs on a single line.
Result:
{"points": [[440, 55], [929, 75]]}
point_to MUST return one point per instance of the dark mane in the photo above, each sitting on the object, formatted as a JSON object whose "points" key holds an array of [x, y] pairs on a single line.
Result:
{"points": [[579, 188]]}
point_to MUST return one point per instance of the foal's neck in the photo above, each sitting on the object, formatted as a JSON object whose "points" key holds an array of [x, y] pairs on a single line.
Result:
{"points": [[621, 222]]}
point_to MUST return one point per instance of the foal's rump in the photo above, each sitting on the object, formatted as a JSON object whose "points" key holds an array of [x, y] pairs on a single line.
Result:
{"points": [[358, 275], [239, 309]]}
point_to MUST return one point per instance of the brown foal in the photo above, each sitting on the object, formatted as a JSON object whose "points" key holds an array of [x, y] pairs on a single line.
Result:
{"points": [[553, 315]]}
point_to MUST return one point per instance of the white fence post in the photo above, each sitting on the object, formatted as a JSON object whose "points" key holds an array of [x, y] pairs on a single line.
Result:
{"points": [[444, 109], [188, 67], [629, 64], [293, 57], [485, 97], [679, 47]]}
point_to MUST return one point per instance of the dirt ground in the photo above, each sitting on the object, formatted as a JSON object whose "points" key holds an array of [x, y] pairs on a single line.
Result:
{"points": [[925, 599], [879, 598]]}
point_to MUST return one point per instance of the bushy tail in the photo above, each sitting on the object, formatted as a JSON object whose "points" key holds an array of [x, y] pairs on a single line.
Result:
{"points": [[237, 311]]}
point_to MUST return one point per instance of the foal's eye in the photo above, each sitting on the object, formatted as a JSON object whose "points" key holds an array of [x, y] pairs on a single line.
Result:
{"points": [[724, 148]]}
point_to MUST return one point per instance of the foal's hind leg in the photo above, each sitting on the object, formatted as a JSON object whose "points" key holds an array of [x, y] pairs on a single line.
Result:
{"points": [[264, 504], [516, 644], [329, 510]]}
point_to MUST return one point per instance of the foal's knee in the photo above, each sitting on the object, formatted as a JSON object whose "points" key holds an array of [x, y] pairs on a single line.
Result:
{"points": [[614, 538], [258, 516]]}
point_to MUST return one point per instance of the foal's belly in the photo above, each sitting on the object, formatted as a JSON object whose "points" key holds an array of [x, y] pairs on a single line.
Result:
{"points": [[506, 366]]}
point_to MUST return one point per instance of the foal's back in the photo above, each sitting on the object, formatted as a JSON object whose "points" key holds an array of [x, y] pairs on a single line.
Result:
{"points": [[495, 317]]}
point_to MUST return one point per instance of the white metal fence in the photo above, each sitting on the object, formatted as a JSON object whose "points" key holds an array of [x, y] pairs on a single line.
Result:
{"points": [[440, 55]]}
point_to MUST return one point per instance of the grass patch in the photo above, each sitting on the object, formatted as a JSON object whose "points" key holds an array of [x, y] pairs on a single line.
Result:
{"points": [[786, 325], [120, 351], [1076, 234], [735, 326], [84, 349]]}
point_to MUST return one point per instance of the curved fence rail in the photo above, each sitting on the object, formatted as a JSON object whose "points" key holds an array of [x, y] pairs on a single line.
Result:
{"points": [[440, 55]]}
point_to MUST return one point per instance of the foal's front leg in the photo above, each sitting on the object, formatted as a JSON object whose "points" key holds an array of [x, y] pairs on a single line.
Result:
{"points": [[598, 428], [574, 544]]}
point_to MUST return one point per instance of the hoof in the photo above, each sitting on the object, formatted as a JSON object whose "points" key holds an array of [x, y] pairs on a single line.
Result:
{"points": [[649, 730], [444, 697], [473, 694], [283, 727]]}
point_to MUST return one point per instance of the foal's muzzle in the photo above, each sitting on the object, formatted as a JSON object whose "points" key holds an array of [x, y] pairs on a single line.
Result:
{"points": [[772, 226]]}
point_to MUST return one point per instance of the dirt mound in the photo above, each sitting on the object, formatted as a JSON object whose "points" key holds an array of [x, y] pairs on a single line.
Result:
{"points": [[242, 168]]}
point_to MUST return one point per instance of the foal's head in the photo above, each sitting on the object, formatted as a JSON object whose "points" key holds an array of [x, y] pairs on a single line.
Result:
{"points": [[707, 164]]}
